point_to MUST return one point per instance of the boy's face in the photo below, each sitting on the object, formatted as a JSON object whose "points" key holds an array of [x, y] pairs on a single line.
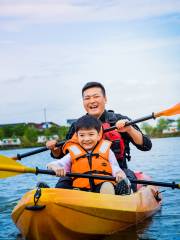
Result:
{"points": [[88, 138]]}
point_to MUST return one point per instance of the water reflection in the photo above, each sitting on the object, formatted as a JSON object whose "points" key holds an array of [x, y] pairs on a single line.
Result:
{"points": [[162, 163], [132, 233]]}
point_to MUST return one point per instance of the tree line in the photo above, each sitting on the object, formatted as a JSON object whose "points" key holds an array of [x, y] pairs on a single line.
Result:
{"points": [[28, 134], [161, 125]]}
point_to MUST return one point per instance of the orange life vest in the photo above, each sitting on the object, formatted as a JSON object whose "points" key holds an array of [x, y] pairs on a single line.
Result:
{"points": [[96, 162]]}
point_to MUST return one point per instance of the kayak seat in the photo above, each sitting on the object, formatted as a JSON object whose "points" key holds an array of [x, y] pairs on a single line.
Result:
{"points": [[42, 185]]}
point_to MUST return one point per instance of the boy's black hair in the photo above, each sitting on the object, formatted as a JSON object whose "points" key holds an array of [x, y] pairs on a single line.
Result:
{"points": [[94, 84], [88, 122]]}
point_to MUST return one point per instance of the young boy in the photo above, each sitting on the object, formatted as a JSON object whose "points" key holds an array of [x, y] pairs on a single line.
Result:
{"points": [[89, 153]]}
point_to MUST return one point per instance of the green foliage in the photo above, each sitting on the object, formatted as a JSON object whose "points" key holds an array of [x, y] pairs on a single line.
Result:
{"points": [[62, 132], [31, 134], [162, 125], [1, 133], [18, 130], [54, 130], [147, 128], [47, 132], [14, 130], [25, 141], [8, 131], [178, 122]]}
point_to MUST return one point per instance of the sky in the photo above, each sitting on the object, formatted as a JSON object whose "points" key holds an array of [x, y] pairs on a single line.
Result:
{"points": [[49, 49]]}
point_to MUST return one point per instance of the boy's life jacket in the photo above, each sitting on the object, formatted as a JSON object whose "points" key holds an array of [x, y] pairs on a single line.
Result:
{"points": [[95, 162]]}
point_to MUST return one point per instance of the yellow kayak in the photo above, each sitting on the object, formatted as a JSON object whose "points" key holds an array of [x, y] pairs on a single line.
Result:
{"points": [[62, 214]]}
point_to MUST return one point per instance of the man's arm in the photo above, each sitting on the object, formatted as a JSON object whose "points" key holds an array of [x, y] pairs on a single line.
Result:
{"points": [[57, 152], [133, 134], [141, 141]]}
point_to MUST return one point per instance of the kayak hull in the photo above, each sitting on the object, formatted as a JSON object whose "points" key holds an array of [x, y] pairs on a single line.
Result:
{"points": [[73, 214]]}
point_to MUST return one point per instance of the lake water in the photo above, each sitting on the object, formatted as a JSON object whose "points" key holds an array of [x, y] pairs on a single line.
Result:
{"points": [[162, 163]]}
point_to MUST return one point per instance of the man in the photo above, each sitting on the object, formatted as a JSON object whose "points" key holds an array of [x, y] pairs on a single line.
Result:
{"points": [[94, 101]]}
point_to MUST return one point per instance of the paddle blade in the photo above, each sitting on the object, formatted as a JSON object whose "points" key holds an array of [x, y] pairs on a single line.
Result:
{"points": [[6, 174], [10, 168], [169, 112]]}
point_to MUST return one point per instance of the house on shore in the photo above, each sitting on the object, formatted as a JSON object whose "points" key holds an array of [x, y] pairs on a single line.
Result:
{"points": [[43, 125], [10, 142], [172, 128], [43, 139]]}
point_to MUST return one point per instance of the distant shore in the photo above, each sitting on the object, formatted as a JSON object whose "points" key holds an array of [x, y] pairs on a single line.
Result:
{"points": [[37, 145]]}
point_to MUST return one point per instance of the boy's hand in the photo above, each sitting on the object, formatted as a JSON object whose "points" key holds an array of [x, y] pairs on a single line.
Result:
{"points": [[120, 176], [60, 171], [120, 125]]}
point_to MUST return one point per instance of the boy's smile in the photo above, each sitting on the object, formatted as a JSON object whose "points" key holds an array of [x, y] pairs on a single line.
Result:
{"points": [[88, 138]]}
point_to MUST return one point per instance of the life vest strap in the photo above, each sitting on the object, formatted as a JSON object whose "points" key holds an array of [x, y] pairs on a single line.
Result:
{"points": [[88, 155], [93, 172]]}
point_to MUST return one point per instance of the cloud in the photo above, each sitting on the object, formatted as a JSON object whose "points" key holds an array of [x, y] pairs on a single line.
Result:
{"points": [[16, 15], [13, 81], [45, 66], [135, 73]]}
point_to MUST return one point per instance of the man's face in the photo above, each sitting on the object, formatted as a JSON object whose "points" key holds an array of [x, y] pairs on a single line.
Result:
{"points": [[94, 102], [88, 138]]}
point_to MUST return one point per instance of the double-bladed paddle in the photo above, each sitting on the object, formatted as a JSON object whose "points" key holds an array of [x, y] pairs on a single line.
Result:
{"points": [[10, 168], [168, 112]]}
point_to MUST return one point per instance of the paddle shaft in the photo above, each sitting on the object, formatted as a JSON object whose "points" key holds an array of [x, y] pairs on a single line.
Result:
{"points": [[109, 178], [39, 150], [152, 116]]}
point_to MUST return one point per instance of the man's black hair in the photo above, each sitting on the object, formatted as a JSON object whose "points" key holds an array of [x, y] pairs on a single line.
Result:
{"points": [[94, 84], [88, 122]]}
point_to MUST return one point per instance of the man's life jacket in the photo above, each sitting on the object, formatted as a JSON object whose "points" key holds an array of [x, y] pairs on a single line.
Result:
{"points": [[117, 141], [119, 146], [95, 162]]}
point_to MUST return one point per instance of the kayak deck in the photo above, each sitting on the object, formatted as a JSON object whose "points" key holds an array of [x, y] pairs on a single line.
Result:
{"points": [[72, 214]]}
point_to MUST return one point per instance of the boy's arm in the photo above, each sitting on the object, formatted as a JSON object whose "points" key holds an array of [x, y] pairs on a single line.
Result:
{"points": [[64, 163], [116, 170]]}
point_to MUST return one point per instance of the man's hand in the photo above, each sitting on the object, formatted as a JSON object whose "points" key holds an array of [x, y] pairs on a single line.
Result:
{"points": [[51, 144], [56, 151], [120, 125], [135, 134]]}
